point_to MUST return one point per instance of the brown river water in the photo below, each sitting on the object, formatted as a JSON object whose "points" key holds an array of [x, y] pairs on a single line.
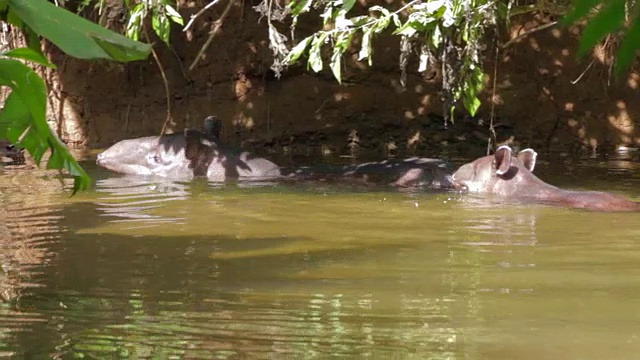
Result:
{"points": [[153, 269]]}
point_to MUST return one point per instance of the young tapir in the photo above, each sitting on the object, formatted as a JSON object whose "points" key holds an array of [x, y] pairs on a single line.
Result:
{"points": [[185, 156], [511, 177]]}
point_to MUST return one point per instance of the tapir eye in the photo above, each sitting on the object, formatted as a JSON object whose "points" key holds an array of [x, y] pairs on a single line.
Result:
{"points": [[154, 158]]}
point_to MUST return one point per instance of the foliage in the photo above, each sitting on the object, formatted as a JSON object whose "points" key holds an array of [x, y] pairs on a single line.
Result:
{"points": [[449, 31], [610, 16], [23, 118], [161, 13]]}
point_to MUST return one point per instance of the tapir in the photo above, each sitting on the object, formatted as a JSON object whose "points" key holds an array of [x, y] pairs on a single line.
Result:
{"points": [[511, 177], [401, 173], [187, 155]]}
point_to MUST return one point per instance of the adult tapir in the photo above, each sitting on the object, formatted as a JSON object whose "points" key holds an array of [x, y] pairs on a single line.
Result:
{"points": [[509, 176], [196, 153], [184, 156]]}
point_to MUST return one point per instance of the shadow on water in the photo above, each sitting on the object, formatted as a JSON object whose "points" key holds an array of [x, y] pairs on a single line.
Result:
{"points": [[146, 268]]}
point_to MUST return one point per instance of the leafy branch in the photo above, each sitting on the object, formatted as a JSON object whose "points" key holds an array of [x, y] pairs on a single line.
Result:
{"points": [[606, 17], [448, 31]]}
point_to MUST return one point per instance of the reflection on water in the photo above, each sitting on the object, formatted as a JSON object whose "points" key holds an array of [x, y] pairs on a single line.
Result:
{"points": [[148, 268], [130, 198]]}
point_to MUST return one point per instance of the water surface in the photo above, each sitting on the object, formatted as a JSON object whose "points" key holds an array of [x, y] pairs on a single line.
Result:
{"points": [[146, 268]]}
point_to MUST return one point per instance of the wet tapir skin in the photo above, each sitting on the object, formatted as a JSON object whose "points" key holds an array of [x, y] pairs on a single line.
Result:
{"points": [[186, 156], [412, 172], [511, 177]]}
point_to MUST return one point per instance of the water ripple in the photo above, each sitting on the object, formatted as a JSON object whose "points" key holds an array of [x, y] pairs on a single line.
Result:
{"points": [[132, 199]]}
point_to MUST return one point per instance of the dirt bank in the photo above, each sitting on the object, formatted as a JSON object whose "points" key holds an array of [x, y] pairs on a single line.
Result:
{"points": [[546, 97]]}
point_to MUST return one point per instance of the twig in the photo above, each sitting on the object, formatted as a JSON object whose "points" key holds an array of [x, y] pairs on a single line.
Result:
{"points": [[539, 28], [584, 72], [212, 35], [591, 64], [194, 17], [164, 81], [493, 98], [126, 118]]}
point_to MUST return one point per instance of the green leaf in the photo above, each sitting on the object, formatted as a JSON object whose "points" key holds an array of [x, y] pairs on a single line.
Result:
{"points": [[471, 89], [608, 19], [628, 48], [14, 119], [298, 7], [161, 26], [25, 111], [30, 55], [406, 30], [343, 40], [14, 19], [360, 20], [382, 24], [78, 36], [336, 64], [133, 25], [348, 5], [580, 9], [298, 50]]}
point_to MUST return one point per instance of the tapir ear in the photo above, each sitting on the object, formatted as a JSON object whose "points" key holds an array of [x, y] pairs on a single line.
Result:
{"points": [[528, 158], [212, 126], [502, 159]]}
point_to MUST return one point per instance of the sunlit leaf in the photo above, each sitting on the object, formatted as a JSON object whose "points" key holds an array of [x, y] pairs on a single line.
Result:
{"points": [[161, 27], [405, 30], [365, 50], [298, 7], [424, 59], [298, 50], [436, 36], [315, 57], [173, 14], [396, 20], [336, 64]]}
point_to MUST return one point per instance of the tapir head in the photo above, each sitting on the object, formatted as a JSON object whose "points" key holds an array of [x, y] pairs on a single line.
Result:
{"points": [[500, 173], [152, 155]]}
